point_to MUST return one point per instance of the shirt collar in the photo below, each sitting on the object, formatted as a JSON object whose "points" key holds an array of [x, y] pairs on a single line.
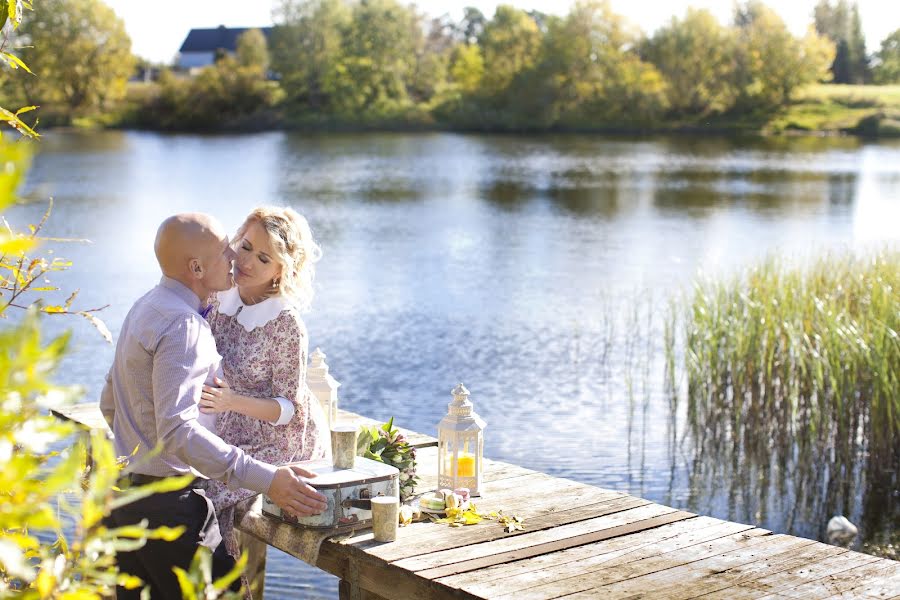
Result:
{"points": [[182, 291], [250, 316]]}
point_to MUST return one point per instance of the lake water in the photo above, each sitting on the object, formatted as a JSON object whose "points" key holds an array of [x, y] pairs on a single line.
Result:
{"points": [[536, 270]]}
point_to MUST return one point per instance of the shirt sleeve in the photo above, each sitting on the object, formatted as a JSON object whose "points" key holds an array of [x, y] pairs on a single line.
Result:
{"points": [[107, 405], [179, 371], [287, 411]]}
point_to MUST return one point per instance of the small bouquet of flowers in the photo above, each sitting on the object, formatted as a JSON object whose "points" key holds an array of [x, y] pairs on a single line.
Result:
{"points": [[388, 445]]}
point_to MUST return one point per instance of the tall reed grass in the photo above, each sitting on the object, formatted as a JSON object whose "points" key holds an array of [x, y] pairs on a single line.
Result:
{"points": [[798, 358]]}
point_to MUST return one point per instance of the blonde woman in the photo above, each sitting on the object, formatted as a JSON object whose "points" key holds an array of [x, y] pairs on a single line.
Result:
{"points": [[264, 405]]}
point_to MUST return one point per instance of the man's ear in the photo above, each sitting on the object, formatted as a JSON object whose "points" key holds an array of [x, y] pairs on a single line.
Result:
{"points": [[196, 268]]}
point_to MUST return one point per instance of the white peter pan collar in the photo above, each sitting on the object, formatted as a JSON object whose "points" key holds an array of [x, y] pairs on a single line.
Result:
{"points": [[250, 316]]}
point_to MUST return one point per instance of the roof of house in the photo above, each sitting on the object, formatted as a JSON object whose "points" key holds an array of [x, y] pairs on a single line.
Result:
{"points": [[210, 40]]}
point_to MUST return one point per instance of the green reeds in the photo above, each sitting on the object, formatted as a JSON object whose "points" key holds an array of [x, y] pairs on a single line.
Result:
{"points": [[799, 358]]}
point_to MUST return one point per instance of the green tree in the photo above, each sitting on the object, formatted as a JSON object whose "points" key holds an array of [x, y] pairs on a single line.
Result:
{"points": [[467, 68], [472, 25], [840, 22], [696, 56], [372, 77], [887, 68], [307, 52], [588, 76], [83, 57], [432, 59], [510, 44], [223, 95], [253, 50], [771, 62]]}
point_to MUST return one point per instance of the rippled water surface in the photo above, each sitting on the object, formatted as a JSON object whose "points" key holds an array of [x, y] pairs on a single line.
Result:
{"points": [[536, 270]]}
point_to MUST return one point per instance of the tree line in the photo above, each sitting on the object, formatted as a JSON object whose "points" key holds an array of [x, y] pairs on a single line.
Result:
{"points": [[381, 63]]}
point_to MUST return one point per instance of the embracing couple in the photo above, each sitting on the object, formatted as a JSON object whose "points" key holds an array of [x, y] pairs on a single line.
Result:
{"points": [[217, 389]]}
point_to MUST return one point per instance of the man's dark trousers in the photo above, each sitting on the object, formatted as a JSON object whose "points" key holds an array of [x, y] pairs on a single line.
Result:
{"points": [[153, 563]]}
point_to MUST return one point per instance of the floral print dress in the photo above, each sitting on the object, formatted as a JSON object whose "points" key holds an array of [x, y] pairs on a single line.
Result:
{"points": [[264, 349]]}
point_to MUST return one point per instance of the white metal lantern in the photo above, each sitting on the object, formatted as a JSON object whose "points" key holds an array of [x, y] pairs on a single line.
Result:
{"points": [[461, 445], [323, 386]]}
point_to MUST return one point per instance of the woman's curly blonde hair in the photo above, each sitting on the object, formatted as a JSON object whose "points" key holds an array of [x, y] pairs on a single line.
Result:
{"points": [[295, 250]]}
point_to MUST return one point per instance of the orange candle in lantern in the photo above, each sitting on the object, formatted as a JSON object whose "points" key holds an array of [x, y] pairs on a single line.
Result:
{"points": [[465, 465]]}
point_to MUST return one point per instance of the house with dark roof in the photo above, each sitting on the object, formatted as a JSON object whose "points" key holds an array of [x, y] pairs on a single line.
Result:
{"points": [[201, 45]]}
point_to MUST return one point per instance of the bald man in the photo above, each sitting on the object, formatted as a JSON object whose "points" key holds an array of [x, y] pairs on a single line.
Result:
{"points": [[164, 355]]}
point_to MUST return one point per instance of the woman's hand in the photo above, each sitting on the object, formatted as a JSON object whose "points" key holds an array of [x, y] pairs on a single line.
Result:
{"points": [[217, 399]]}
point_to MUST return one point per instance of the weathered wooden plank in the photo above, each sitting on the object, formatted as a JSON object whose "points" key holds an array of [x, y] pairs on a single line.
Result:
{"points": [[730, 580], [544, 499], [887, 588], [554, 546], [527, 539], [434, 537], [535, 571], [614, 571], [844, 584], [740, 594], [86, 414], [380, 578], [785, 580], [717, 572]]}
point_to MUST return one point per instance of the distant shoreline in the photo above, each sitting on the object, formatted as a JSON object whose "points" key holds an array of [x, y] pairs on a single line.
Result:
{"points": [[823, 110]]}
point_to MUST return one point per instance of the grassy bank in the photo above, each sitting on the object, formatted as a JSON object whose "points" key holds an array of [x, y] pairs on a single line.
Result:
{"points": [[871, 110]]}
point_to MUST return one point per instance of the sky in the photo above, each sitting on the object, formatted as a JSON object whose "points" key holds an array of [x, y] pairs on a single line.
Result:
{"points": [[157, 34]]}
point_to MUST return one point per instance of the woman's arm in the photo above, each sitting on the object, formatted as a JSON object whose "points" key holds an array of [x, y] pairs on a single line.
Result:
{"points": [[223, 398]]}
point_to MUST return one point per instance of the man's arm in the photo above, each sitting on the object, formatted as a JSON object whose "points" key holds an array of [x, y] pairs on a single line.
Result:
{"points": [[179, 370], [107, 406]]}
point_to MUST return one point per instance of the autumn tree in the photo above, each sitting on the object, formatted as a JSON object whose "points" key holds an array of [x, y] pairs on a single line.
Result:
{"points": [[695, 54], [253, 50], [588, 75], [771, 62], [510, 43], [307, 52], [82, 55]]}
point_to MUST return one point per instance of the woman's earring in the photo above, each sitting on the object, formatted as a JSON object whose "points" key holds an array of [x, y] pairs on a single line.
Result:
{"points": [[275, 283]]}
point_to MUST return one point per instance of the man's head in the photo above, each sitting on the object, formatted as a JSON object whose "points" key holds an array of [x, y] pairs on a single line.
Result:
{"points": [[192, 248]]}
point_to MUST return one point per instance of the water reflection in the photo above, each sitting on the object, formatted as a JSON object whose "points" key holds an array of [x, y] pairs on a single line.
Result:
{"points": [[780, 485]]}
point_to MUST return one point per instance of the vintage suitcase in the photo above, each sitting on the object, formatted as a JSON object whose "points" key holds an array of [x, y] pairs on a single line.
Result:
{"points": [[348, 492]]}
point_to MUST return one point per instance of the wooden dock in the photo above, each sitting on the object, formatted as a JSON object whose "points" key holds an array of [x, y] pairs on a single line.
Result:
{"points": [[579, 541]]}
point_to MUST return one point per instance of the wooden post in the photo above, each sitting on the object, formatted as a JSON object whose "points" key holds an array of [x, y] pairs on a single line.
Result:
{"points": [[256, 562]]}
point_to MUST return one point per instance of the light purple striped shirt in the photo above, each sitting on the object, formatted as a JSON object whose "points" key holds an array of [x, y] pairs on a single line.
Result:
{"points": [[164, 355]]}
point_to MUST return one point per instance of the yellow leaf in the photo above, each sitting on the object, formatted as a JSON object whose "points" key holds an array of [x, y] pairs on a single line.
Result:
{"points": [[80, 595], [16, 246], [45, 582], [54, 309], [91, 513], [16, 63], [471, 518], [129, 582], [100, 325], [168, 534]]}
